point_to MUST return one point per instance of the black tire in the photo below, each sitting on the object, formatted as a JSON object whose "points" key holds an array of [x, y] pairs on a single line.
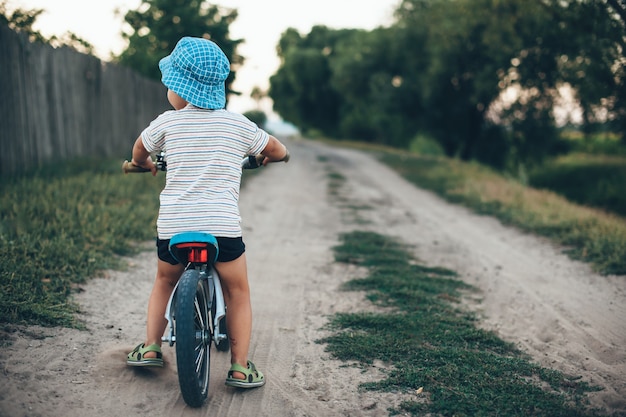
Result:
{"points": [[193, 337]]}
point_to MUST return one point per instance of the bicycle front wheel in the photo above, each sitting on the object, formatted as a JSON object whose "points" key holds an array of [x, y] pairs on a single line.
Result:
{"points": [[193, 337]]}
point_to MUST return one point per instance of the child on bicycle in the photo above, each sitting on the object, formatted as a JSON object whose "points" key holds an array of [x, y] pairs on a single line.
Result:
{"points": [[205, 144]]}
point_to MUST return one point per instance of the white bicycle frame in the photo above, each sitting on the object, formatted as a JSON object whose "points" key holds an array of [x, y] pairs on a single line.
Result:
{"points": [[220, 308]]}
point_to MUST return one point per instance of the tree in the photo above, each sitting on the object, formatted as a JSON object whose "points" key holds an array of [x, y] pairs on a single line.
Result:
{"points": [[591, 61], [301, 88], [443, 68], [378, 81], [600, 79], [21, 20], [157, 25], [478, 49]]}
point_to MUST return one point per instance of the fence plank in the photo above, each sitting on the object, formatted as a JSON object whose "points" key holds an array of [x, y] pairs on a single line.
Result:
{"points": [[57, 104]]}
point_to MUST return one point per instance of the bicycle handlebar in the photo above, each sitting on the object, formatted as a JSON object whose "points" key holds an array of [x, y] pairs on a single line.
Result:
{"points": [[249, 162], [252, 161]]}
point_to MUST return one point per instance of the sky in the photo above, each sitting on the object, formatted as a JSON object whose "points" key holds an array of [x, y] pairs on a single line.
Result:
{"points": [[260, 24]]}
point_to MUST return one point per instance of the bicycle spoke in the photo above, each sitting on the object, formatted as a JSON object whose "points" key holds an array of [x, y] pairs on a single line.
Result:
{"points": [[199, 316], [200, 358]]}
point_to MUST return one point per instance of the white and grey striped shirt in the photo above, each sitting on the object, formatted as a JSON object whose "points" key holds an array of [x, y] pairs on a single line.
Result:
{"points": [[204, 149]]}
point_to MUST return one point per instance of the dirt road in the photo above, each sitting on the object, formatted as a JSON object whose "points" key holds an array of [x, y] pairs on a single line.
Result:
{"points": [[557, 310]]}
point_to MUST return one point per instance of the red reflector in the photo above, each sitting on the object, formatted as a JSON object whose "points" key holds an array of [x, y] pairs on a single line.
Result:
{"points": [[198, 255]]}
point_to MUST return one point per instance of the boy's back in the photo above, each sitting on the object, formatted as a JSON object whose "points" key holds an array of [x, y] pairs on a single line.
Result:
{"points": [[204, 149]]}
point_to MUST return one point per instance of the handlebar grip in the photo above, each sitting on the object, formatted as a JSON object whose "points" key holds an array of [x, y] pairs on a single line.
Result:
{"points": [[130, 167], [252, 162]]}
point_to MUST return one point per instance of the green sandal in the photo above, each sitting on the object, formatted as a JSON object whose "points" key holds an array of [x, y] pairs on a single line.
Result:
{"points": [[254, 377], [135, 358]]}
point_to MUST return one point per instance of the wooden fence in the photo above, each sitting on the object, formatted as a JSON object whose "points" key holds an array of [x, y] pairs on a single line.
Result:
{"points": [[57, 104]]}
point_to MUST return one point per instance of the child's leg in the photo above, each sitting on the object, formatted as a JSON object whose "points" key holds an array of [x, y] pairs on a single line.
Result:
{"points": [[234, 279], [166, 278]]}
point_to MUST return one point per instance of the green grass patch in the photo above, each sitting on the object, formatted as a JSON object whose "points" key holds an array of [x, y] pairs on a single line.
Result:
{"points": [[431, 343], [60, 226]]}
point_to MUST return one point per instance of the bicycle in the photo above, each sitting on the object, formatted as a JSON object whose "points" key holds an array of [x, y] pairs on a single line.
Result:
{"points": [[196, 311]]}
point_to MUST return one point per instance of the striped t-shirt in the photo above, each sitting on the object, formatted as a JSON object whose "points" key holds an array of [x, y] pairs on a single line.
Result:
{"points": [[203, 149]]}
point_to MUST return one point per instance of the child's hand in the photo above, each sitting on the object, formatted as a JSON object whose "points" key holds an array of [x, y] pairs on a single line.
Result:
{"points": [[275, 151], [148, 163], [285, 158]]}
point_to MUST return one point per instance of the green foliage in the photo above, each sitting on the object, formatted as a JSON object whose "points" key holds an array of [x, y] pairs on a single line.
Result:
{"points": [[21, 20], [442, 68], [595, 144], [380, 86], [157, 25], [61, 226], [301, 88], [593, 62], [593, 181], [432, 344], [339, 82]]}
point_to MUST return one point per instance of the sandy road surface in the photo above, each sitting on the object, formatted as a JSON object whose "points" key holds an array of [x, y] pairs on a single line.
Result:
{"points": [[557, 310]]}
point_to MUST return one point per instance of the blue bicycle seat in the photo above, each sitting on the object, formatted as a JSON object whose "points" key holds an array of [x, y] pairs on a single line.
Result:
{"points": [[182, 243]]}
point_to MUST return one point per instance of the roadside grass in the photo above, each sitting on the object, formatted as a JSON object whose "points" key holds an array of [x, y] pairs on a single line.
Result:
{"points": [[589, 234], [593, 180], [436, 353], [600, 143], [62, 225]]}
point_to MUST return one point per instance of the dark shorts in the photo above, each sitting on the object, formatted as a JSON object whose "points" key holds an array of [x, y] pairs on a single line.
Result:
{"points": [[230, 248]]}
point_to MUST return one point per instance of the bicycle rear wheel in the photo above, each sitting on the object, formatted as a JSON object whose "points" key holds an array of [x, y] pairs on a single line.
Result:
{"points": [[193, 337]]}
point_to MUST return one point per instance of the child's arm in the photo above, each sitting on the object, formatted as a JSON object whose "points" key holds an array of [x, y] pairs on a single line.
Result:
{"points": [[141, 157], [275, 151]]}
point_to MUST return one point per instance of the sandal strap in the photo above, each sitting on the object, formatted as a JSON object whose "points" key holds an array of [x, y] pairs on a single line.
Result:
{"points": [[152, 348], [250, 370], [235, 367], [141, 349]]}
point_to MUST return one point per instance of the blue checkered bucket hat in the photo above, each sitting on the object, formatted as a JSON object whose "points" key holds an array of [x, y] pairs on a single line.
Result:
{"points": [[196, 70]]}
